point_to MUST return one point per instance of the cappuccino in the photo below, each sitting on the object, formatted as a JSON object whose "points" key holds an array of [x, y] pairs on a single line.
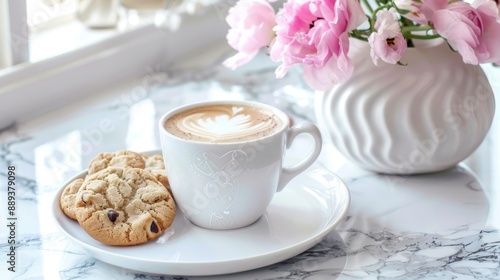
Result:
{"points": [[224, 123], [225, 159]]}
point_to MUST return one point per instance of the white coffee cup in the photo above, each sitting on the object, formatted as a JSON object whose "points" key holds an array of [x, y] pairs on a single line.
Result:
{"points": [[229, 185]]}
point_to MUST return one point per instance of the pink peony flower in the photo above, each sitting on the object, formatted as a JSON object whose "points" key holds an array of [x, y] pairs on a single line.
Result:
{"points": [[314, 33], [414, 10], [251, 25], [473, 30], [428, 7], [387, 42]]}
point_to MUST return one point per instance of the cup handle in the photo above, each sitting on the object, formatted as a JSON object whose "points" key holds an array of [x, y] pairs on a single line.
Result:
{"points": [[288, 173]]}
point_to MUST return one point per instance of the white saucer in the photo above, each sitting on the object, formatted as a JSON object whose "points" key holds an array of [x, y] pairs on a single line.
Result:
{"points": [[298, 218]]}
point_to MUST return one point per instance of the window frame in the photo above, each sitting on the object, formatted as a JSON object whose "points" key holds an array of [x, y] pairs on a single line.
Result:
{"points": [[18, 37]]}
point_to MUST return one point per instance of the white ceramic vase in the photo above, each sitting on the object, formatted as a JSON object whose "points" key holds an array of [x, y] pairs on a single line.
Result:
{"points": [[423, 117]]}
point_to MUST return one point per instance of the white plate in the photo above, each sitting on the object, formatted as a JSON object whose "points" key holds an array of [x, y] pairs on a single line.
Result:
{"points": [[297, 219]]}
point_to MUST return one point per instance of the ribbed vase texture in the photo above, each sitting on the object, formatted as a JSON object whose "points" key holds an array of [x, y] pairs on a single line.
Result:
{"points": [[423, 117]]}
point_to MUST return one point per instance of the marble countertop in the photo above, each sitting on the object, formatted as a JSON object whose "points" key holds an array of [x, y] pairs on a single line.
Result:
{"points": [[437, 226]]}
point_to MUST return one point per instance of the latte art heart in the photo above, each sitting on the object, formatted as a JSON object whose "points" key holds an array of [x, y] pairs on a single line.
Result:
{"points": [[224, 126], [223, 123]]}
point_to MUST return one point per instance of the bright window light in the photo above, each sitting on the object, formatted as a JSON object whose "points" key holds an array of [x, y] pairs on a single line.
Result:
{"points": [[43, 13]]}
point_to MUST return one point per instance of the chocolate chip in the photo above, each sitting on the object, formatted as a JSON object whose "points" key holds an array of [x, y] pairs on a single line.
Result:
{"points": [[154, 227], [112, 215], [84, 198]]}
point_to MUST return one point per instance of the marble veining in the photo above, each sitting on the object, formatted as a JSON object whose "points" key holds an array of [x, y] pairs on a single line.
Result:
{"points": [[434, 226], [422, 255]]}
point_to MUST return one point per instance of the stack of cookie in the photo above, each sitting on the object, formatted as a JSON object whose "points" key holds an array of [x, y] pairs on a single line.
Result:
{"points": [[124, 200]]}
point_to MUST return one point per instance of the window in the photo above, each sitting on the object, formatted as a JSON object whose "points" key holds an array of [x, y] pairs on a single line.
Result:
{"points": [[34, 30], [19, 19], [54, 62]]}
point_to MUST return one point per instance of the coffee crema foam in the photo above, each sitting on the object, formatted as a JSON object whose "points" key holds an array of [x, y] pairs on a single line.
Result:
{"points": [[223, 123]]}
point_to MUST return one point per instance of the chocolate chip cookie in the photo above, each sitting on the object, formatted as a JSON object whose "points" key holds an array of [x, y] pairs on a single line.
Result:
{"points": [[67, 198], [123, 158], [124, 206]]}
